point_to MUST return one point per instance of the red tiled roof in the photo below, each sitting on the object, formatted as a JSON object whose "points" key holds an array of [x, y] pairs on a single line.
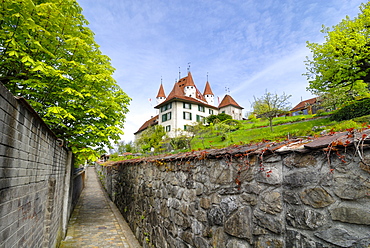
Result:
{"points": [[207, 90], [161, 92], [153, 121], [228, 100], [178, 92], [304, 103]]}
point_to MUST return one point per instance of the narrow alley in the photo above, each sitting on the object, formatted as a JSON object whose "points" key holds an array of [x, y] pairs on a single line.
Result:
{"points": [[96, 222]]}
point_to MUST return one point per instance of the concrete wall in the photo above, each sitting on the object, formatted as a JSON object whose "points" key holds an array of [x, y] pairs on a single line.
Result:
{"points": [[272, 195], [35, 178]]}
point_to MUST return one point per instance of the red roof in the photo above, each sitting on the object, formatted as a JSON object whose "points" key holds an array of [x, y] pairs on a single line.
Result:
{"points": [[228, 100], [161, 92], [207, 90], [152, 122], [178, 92], [304, 104]]}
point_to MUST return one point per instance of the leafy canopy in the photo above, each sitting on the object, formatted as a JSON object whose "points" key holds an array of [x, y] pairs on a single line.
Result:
{"points": [[341, 66], [49, 57], [270, 105], [152, 137]]}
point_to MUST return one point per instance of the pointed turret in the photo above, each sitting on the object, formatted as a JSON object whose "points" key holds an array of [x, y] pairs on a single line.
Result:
{"points": [[189, 86], [208, 94], [161, 96]]}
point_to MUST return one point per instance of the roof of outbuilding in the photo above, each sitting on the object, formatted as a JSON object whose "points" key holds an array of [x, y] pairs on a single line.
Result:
{"points": [[304, 103], [152, 122], [228, 100]]}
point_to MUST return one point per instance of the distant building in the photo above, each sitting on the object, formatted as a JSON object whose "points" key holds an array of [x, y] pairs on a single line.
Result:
{"points": [[306, 107], [185, 105]]}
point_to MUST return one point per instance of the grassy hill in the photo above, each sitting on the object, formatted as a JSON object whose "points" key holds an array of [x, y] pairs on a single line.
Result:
{"points": [[284, 128]]}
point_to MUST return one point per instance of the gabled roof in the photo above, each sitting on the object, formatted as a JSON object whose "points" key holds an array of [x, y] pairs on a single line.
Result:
{"points": [[228, 100], [304, 104], [178, 92], [161, 92], [207, 90], [152, 122]]}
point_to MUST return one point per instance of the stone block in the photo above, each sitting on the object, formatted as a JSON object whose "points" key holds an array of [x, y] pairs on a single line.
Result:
{"points": [[249, 198], [269, 222], [291, 197], [266, 241], [215, 216], [205, 202], [300, 160], [348, 213], [351, 187], [298, 179], [235, 243], [229, 205], [338, 236], [297, 239], [239, 224], [316, 197], [305, 218], [271, 202], [270, 173], [200, 242]]}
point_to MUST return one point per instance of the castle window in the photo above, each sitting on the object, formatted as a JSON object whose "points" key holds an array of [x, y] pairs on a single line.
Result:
{"points": [[201, 108], [211, 111], [187, 105], [201, 119], [166, 117], [166, 107], [168, 128], [187, 116]]}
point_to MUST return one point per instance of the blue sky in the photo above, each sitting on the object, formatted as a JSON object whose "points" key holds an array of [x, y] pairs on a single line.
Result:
{"points": [[247, 46]]}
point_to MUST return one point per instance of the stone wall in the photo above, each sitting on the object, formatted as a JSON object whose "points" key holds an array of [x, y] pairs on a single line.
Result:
{"points": [[35, 178], [272, 195]]}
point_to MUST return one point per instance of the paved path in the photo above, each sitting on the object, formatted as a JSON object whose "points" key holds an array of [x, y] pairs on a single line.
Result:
{"points": [[96, 222]]}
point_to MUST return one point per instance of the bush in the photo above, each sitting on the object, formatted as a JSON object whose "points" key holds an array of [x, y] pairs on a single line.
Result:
{"points": [[356, 109], [218, 118], [320, 112]]}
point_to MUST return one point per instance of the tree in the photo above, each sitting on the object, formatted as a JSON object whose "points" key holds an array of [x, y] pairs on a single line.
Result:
{"points": [[270, 106], [49, 57], [152, 137], [341, 65]]}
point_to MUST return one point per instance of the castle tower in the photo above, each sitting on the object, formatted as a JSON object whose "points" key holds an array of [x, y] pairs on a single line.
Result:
{"points": [[189, 86], [208, 94], [161, 96]]}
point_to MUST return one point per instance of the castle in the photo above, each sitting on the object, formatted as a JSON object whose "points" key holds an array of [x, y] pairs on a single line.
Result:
{"points": [[185, 105]]}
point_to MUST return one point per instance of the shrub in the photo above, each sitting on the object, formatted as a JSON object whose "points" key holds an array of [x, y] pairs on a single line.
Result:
{"points": [[356, 109]]}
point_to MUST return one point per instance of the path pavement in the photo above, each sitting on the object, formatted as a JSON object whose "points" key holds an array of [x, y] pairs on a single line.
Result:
{"points": [[96, 221]]}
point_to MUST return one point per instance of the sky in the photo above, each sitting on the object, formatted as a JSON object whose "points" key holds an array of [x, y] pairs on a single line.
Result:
{"points": [[246, 47]]}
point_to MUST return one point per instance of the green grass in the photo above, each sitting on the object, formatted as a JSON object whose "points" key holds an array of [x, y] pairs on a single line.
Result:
{"points": [[257, 131]]}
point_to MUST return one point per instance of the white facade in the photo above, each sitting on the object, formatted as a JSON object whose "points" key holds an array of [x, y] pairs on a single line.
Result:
{"points": [[177, 115], [235, 113]]}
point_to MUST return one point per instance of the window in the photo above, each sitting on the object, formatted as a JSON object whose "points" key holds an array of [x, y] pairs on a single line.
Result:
{"points": [[187, 116], [200, 119], [166, 107], [187, 105], [211, 111], [166, 117], [201, 108], [185, 127], [168, 128]]}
